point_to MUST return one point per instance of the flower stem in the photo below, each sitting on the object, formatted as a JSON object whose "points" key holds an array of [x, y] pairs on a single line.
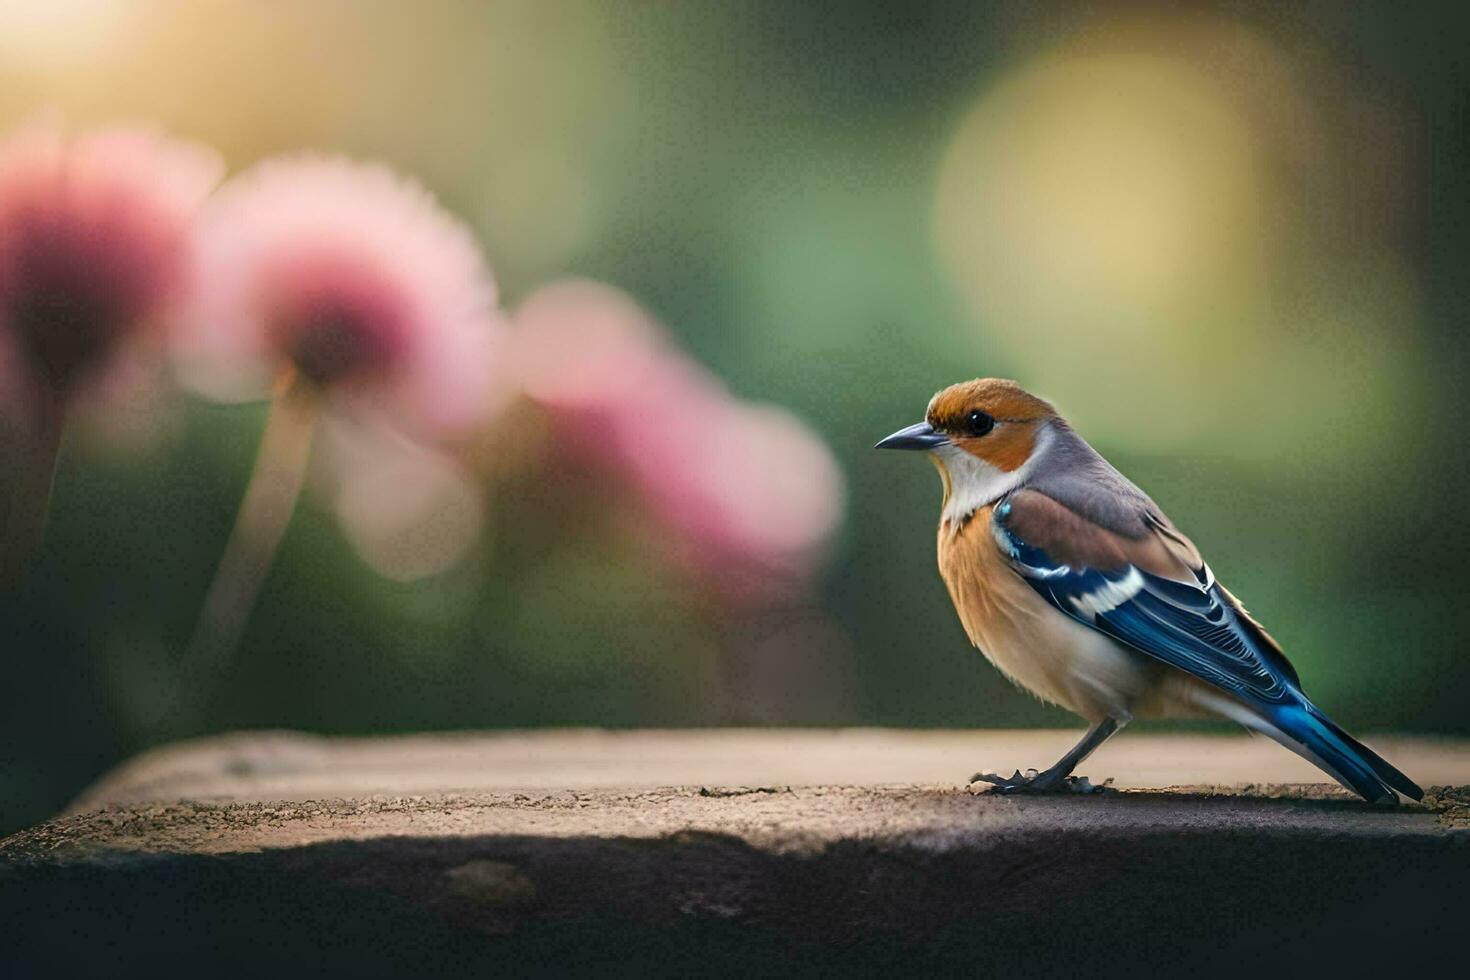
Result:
{"points": [[269, 501], [35, 470]]}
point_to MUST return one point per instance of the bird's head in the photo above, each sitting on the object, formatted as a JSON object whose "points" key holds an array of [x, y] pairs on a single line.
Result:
{"points": [[982, 434]]}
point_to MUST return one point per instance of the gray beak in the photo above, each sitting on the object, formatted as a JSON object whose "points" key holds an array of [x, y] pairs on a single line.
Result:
{"points": [[919, 436]]}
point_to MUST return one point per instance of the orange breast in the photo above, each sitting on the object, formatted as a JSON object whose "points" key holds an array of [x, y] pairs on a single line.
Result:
{"points": [[1052, 656]]}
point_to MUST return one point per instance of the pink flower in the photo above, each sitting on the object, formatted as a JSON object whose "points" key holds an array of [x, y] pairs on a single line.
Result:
{"points": [[353, 280], [757, 496], [349, 294], [750, 493], [94, 258], [598, 364]]}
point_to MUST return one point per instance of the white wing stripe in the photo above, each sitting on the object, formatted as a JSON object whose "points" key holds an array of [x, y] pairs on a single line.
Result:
{"points": [[1109, 596]]}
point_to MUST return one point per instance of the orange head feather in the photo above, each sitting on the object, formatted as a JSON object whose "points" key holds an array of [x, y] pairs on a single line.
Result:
{"points": [[991, 418]]}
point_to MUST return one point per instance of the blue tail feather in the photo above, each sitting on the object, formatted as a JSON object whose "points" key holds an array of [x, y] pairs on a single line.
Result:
{"points": [[1356, 765]]}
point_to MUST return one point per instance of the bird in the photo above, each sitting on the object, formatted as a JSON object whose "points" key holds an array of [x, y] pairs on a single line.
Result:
{"points": [[1078, 588]]}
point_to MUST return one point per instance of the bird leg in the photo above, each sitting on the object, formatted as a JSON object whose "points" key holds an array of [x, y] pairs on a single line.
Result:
{"points": [[1059, 777]]}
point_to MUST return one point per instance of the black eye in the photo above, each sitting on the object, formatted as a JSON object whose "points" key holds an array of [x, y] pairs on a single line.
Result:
{"points": [[977, 423]]}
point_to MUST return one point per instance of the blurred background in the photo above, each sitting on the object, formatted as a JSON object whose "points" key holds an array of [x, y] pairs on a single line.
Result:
{"points": [[1228, 241]]}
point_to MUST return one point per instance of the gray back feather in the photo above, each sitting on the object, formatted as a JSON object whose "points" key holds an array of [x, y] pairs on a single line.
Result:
{"points": [[1074, 474]]}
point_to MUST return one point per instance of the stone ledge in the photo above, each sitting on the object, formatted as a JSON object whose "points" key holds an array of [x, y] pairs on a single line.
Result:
{"points": [[558, 852]]}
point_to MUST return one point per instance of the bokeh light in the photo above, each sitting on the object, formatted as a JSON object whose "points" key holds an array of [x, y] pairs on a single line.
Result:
{"points": [[43, 34], [409, 511], [1140, 216]]}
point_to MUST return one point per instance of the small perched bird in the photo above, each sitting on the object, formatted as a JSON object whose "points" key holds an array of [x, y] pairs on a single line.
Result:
{"points": [[1074, 583]]}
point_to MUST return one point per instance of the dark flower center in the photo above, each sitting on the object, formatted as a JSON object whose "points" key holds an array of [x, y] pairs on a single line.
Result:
{"points": [[339, 345], [342, 325], [74, 291]]}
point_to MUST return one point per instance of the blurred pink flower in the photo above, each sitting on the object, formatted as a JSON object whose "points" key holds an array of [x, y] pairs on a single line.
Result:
{"points": [[362, 306], [353, 278], [94, 235], [590, 356], [751, 493], [759, 492]]}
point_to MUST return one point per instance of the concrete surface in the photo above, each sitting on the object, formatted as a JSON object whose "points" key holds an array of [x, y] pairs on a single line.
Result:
{"points": [[774, 852]]}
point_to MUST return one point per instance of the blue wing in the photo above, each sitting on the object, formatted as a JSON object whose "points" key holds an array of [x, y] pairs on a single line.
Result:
{"points": [[1194, 626], [1198, 627]]}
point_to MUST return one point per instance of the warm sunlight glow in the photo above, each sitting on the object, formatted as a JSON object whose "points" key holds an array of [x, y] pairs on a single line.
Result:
{"points": [[43, 33]]}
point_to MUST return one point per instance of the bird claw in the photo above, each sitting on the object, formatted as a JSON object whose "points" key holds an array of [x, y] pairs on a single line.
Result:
{"points": [[996, 779], [1032, 781]]}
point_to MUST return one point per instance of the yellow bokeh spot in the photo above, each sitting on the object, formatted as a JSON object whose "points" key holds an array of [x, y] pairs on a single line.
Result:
{"points": [[1122, 180], [1145, 226]]}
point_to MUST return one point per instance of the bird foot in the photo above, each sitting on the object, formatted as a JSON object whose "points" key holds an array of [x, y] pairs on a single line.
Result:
{"points": [[1032, 781]]}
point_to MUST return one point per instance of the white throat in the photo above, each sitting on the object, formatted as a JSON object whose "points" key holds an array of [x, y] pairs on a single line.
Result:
{"points": [[974, 483]]}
